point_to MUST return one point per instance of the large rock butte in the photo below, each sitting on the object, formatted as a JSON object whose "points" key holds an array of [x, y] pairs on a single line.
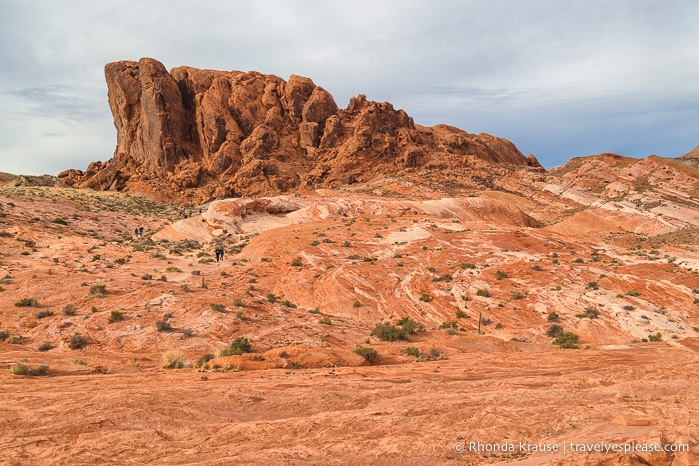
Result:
{"points": [[192, 135]]}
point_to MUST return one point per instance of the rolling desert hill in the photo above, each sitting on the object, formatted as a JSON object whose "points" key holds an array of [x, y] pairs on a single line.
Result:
{"points": [[451, 300]]}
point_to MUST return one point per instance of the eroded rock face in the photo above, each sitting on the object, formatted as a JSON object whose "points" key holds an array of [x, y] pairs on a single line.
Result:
{"points": [[192, 135]]}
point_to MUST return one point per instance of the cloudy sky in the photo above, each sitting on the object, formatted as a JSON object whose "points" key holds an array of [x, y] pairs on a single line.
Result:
{"points": [[558, 78]]}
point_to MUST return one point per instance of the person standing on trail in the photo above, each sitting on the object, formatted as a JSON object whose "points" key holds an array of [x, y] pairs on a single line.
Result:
{"points": [[135, 232], [221, 251], [140, 231], [218, 254]]}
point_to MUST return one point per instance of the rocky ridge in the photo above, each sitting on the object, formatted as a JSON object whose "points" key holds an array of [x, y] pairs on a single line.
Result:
{"points": [[194, 135]]}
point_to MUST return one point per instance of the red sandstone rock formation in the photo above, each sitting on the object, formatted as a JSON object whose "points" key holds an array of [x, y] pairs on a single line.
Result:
{"points": [[193, 135]]}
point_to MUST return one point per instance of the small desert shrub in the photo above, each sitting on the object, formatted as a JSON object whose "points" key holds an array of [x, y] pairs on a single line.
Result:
{"points": [[590, 313], [4, 335], [593, 285], [553, 317], [409, 326], [163, 325], [237, 302], [271, 298], [287, 303], [517, 295], [537, 268], [443, 278], [77, 341], [461, 315], [485, 321], [411, 351], [325, 321], [172, 269], [578, 260], [370, 354], [315, 243], [483, 293], [146, 276], [43, 314], [499, 275], [554, 331], [218, 307], [116, 316], [187, 332], [449, 325], [204, 359], [629, 307], [356, 304], [22, 368], [657, 337], [68, 310], [239, 346], [98, 290], [568, 340], [59, 221], [633, 293], [388, 332], [27, 302], [45, 346], [175, 359], [425, 298], [296, 263], [467, 265]]}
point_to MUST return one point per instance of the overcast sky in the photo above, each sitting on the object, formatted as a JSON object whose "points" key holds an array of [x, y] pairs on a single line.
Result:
{"points": [[558, 78]]}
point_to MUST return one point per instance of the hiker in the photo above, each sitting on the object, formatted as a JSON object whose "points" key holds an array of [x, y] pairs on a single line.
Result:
{"points": [[140, 231], [135, 232], [221, 251], [218, 254]]}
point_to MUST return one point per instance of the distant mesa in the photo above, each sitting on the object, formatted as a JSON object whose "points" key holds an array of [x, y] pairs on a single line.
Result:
{"points": [[193, 135]]}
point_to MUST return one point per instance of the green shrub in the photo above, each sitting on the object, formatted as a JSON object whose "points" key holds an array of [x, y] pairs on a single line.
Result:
{"points": [[483, 293], [27, 302], [287, 303], [296, 263], [146, 276], [568, 340], [425, 298], [590, 313], [633, 293], [370, 354], [443, 278], [657, 337], [163, 325], [204, 359], [356, 304], [388, 332], [42, 314], [59, 221], [116, 316], [409, 326], [593, 285], [239, 346], [77, 341], [325, 321], [467, 265], [68, 310], [175, 359], [271, 298], [98, 290], [554, 331], [517, 295], [553, 317], [45, 346], [462, 315], [451, 324], [218, 307], [499, 275], [411, 351], [237, 302]]}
